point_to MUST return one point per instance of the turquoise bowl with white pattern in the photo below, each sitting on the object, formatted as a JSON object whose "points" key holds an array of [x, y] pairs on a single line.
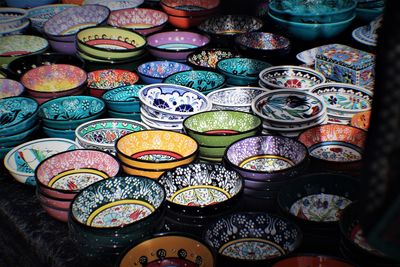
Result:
{"points": [[123, 99]]}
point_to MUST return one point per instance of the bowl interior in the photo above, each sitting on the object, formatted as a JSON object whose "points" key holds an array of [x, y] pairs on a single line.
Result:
{"points": [[263, 41], [244, 67], [161, 69], [115, 4], [21, 44], [15, 110], [137, 18], [177, 40], [111, 78], [208, 58], [200, 80], [10, 88], [235, 96]]}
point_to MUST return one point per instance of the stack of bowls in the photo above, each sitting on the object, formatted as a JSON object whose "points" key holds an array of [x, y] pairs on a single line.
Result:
{"points": [[9, 88], [101, 134], [267, 163], [186, 14], [123, 102], [207, 58], [165, 106], [13, 21], [61, 116], [289, 112], [216, 130], [40, 14], [126, 210], [99, 81], [314, 20], [18, 121], [50, 81], [22, 160], [150, 153], [28, 3], [142, 20], [115, 4], [368, 10], [61, 176], [61, 29], [343, 100], [155, 71]]}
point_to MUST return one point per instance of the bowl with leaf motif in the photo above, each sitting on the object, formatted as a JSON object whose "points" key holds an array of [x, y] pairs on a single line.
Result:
{"points": [[123, 99], [70, 111], [241, 71], [201, 188], [100, 81], [204, 81], [155, 71], [249, 238], [40, 14], [207, 58], [9, 88], [313, 261]]}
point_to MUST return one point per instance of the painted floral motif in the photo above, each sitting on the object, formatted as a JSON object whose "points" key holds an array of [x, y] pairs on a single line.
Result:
{"points": [[123, 94], [291, 77], [248, 249], [230, 24], [115, 4], [266, 163], [199, 196], [336, 151], [361, 120], [308, 56], [139, 18], [157, 156], [15, 110], [77, 179], [162, 69], [242, 66], [202, 81], [357, 236], [261, 40], [209, 58], [10, 88], [320, 207], [110, 78]]}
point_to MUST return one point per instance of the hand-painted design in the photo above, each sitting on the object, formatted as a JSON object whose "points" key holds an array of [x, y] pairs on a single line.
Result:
{"points": [[201, 195], [123, 94], [320, 207], [357, 236], [27, 159], [30, 181], [251, 249], [76, 179], [336, 151], [115, 4], [243, 67], [308, 56], [156, 156], [119, 213], [361, 120], [230, 24], [14, 110], [202, 81], [209, 58], [111, 78], [235, 98], [266, 163], [221, 132], [75, 28], [162, 69], [291, 77]]}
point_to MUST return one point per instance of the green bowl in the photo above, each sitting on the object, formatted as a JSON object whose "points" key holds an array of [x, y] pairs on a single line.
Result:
{"points": [[221, 128], [212, 152]]}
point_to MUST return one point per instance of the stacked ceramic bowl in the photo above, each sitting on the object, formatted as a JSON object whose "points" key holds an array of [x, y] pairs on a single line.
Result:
{"points": [[165, 106], [189, 13], [343, 100], [61, 116], [61, 176], [368, 34], [207, 58], [150, 153], [123, 102], [18, 121], [40, 14], [13, 21], [368, 10], [155, 71], [289, 111]]}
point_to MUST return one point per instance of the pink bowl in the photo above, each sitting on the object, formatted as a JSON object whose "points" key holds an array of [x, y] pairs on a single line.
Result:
{"points": [[52, 202], [58, 214]]}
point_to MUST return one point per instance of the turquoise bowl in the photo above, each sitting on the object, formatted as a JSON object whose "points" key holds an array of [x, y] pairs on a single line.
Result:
{"points": [[66, 113], [201, 80], [156, 71], [57, 133], [17, 114], [241, 71], [19, 138], [124, 115], [123, 99]]}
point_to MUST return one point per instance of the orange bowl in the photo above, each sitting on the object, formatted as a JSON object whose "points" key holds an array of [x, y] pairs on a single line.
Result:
{"points": [[361, 120]]}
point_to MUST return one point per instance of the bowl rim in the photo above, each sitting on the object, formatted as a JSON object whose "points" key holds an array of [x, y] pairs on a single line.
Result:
{"points": [[93, 72], [31, 116], [235, 88], [313, 25], [145, 114], [152, 125], [121, 88], [47, 7], [107, 60], [240, 42], [303, 161], [190, 61], [353, 121], [249, 59], [216, 3], [20, 88], [133, 11], [165, 80], [242, 17], [139, 67], [22, 12], [17, 30], [173, 11], [39, 51]]}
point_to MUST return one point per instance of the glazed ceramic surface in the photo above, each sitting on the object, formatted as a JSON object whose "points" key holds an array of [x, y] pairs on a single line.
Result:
{"points": [[253, 236], [263, 44], [230, 24], [10, 141], [363, 35], [361, 120], [16, 45], [117, 202], [308, 56], [10, 88], [123, 99], [39, 15], [189, 7], [111, 78], [156, 71], [241, 70], [313, 261], [12, 18], [115, 4], [208, 58]]}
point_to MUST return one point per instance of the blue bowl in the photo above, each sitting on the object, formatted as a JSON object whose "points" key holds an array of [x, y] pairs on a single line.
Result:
{"points": [[56, 133], [28, 3], [66, 113], [4, 151], [19, 138], [201, 80], [17, 114], [40, 14], [156, 71], [241, 71], [123, 99], [124, 115]]}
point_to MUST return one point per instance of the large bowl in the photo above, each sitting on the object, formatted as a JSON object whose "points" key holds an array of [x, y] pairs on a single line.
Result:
{"points": [[142, 20], [189, 8], [40, 14], [155, 71], [208, 58], [100, 81], [9, 88], [123, 99]]}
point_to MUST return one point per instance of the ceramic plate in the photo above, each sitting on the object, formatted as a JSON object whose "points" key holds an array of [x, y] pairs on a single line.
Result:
{"points": [[308, 56], [363, 36]]}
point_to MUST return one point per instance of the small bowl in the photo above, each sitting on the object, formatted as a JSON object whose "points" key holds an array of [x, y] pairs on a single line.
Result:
{"points": [[101, 134], [9, 88], [361, 120], [291, 77], [161, 122], [241, 71], [208, 58], [175, 45], [142, 20], [180, 250], [66, 113], [201, 188], [252, 238], [313, 261], [57, 133], [29, 3], [100, 81], [115, 4], [155, 71], [235, 98], [23, 159], [40, 14], [123, 99], [189, 8], [204, 81]]}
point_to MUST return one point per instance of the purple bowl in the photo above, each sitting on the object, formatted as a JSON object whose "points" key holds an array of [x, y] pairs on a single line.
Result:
{"points": [[68, 48], [267, 158], [175, 45]]}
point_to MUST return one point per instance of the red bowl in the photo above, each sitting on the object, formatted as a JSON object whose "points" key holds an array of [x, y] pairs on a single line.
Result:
{"points": [[191, 8], [186, 22], [58, 214]]}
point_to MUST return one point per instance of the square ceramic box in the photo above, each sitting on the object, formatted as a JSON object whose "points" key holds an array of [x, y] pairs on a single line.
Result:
{"points": [[345, 64]]}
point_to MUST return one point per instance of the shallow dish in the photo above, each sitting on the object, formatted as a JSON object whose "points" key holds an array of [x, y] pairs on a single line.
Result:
{"points": [[40, 14], [361, 120], [9, 88], [155, 71], [99, 81], [115, 4], [313, 261], [208, 58], [123, 99]]}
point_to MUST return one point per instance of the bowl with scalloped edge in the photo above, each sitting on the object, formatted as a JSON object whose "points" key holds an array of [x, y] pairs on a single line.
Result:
{"points": [[100, 81], [9, 88], [40, 14], [207, 58], [155, 71], [123, 99]]}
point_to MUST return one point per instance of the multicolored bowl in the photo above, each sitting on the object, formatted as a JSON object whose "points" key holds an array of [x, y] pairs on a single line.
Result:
{"points": [[361, 120], [9, 88], [207, 58], [100, 81], [40, 14], [155, 71], [123, 99], [115, 4]]}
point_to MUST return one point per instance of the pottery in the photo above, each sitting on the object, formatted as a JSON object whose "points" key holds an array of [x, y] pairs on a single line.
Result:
{"points": [[40, 14], [208, 58], [155, 71], [361, 120], [9, 88], [11, 18], [99, 81], [367, 34], [123, 99], [115, 4], [14, 140], [189, 8], [57, 133], [29, 3], [313, 261], [124, 115], [161, 121], [308, 56]]}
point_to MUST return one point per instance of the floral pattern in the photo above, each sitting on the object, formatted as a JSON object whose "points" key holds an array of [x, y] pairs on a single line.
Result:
{"points": [[15, 110], [76, 179], [244, 67], [161, 69], [252, 249], [266, 163], [336, 151], [110, 78], [115, 4], [156, 156], [123, 94], [261, 40], [208, 58], [10, 88], [230, 24], [361, 120], [200, 80]]}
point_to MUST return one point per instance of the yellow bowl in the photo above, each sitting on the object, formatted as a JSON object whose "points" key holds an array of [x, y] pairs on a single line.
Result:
{"points": [[156, 149], [141, 172]]}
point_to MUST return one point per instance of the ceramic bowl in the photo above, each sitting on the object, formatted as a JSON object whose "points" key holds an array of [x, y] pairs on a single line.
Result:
{"points": [[142, 20], [57, 133], [180, 250], [14, 46], [64, 174], [267, 158], [66, 113], [252, 238], [64, 25], [100, 81], [18, 30], [201, 188], [318, 199], [189, 8], [29, 3], [124, 115], [53, 80], [361, 120], [313, 261], [115, 4], [156, 150], [123, 99], [291, 77], [17, 114], [208, 58], [175, 45], [56, 213], [186, 22], [235, 98], [155, 71], [161, 122], [110, 43], [159, 126], [12, 18], [204, 81], [46, 200], [308, 56], [22, 160], [172, 101], [16, 139], [40, 14], [9, 88], [241, 71], [101, 134]]}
